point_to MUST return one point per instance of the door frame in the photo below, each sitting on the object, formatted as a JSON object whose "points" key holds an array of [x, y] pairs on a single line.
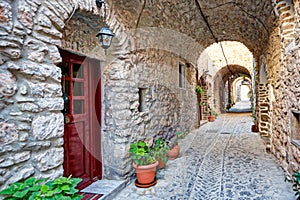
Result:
{"points": [[95, 93]]}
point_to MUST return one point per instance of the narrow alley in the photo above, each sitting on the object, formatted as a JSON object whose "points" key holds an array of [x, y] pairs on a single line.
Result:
{"points": [[220, 160]]}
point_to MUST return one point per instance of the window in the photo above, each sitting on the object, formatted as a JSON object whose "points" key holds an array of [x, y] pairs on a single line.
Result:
{"points": [[295, 127], [182, 75], [142, 99]]}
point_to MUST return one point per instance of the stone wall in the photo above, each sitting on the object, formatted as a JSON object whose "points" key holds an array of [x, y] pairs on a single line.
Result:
{"points": [[166, 107], [31, 122], [282, 61], [31, 125]]}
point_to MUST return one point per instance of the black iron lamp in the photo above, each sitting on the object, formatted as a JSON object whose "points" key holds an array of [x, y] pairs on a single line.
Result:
{"points": [[105, 35]]}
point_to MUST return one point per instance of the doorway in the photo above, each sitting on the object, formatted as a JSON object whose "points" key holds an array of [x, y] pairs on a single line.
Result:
{"points": [[81, 87]]}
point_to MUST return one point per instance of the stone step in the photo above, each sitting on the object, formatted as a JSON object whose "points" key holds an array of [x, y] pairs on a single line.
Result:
{"points": [[109, 188]]}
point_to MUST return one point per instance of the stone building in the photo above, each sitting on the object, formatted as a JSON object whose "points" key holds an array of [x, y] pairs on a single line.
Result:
{"points": [[67, 107]]}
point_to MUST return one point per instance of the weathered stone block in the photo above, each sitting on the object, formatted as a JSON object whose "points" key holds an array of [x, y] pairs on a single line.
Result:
{"points": [[31, 107], [40, 71], [36, 146], [25, 15], [12, 53], [54, 19], [8, 85], [46, 127], [43, 20], [50, 104], [8, 133], [6, 16], [21, 173], [45, 89], [54, 54], [6, 161], [21, 157], [49, 159]]}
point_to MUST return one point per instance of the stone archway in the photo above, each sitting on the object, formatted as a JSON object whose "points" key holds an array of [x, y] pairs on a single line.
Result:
{"points": [[228, 75]]}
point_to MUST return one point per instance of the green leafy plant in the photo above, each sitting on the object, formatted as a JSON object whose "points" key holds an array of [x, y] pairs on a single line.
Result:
{"points": [[141, 154], [209, 108], [215, 113], [295, 179], [160, 150], [62, 188], [179, 135], [199, 90]]}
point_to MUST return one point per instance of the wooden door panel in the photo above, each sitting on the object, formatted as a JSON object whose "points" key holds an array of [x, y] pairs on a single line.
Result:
{"points": [[75, 150], [82, 129]]}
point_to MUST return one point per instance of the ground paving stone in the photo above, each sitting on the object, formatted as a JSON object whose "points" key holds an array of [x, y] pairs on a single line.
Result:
{"points": [[220, 160]]}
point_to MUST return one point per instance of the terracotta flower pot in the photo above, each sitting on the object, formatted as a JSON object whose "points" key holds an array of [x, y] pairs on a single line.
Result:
{"points": [[211, 118], [174, 152], [145, 173], [161, 164]]}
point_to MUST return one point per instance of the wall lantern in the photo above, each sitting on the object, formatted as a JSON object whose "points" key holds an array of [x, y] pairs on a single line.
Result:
{"points": [[105, 35]]}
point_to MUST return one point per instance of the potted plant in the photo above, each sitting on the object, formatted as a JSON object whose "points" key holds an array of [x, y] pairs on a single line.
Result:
{"points": [[211, 116], [144, 162], [160, 150], [174, 152]]}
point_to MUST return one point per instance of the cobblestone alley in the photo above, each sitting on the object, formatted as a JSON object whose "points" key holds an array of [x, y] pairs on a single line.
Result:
{"points": [[221, 160]]}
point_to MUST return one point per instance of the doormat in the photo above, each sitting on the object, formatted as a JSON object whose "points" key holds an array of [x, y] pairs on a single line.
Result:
{"points": [[91, 196]]}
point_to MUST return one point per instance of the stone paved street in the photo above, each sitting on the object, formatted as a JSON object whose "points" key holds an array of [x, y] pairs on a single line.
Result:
{"points": [[221, 160]]}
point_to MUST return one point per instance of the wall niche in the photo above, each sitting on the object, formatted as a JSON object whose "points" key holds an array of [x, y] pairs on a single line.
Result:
{"points": [[295, 127]]}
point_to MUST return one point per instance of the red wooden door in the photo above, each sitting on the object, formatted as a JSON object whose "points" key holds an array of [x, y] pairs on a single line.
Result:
{"points": [[82, 112]]}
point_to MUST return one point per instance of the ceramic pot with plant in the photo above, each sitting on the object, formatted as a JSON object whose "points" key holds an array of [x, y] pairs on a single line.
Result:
{"points": [[174, 152], [160, 150], [211, 112], [144, 162]]}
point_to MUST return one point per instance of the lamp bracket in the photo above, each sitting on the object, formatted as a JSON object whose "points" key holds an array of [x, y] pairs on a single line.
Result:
{"points": [[99, 3]]}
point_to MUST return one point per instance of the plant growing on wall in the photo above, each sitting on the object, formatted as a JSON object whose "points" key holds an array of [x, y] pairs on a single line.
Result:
{"points": [[199, 90], [62, 188]]}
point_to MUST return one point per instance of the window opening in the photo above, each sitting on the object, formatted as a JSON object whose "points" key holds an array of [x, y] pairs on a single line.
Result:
{"points": [[295, 127], [142, 100], [182, 75]]}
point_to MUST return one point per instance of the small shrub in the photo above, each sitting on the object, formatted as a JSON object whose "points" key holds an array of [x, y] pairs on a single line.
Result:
{"points": [[160, 150], [141, 154], [62, 188]]}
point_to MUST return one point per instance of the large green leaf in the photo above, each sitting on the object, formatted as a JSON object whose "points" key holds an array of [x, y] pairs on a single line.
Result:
{"points": [[45, 188], [30, 181], [7, 191], [65, 187], [34, 188], [141, 144], [21, 194]]}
